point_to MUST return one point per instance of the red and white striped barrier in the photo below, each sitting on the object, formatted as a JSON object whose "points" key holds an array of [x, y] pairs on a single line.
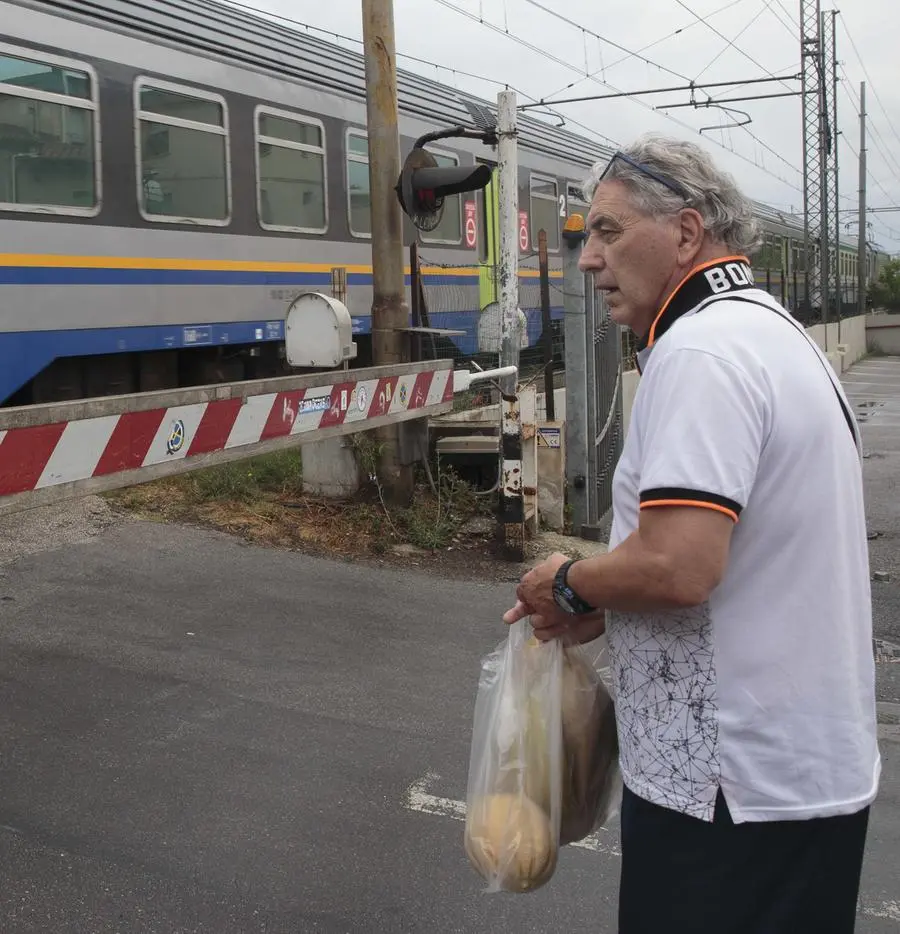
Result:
{"points": [[143, 443]]}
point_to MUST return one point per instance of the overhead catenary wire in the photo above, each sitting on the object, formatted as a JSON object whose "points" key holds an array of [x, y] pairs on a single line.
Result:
{"points": [[875, 137], [293, 21], [568, 65], [722, 36], [870, 83], [791, 25], [723, 50], [572, 23], [638, 52]]}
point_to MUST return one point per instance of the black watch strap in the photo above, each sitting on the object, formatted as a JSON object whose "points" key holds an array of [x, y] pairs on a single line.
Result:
{"points": [[565, 596]]}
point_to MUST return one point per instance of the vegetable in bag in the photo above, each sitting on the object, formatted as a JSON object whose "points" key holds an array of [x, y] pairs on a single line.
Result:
{"points": [[543, 763]]}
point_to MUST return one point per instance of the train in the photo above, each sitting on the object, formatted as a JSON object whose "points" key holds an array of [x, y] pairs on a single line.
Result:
{"points": [[174, 173]]}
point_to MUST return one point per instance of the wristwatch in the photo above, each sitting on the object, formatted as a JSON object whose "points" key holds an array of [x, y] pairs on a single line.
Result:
{"points": [[565, 596]]}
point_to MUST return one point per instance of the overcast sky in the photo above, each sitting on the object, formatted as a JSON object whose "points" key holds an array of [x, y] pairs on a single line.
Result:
{"points": [[690, 38]]}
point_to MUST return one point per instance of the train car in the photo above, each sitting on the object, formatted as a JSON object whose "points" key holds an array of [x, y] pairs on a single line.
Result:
{"points": [[174, 174]]}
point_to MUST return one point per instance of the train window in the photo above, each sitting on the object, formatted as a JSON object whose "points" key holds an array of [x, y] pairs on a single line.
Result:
{"points": [[450, 228], [182, 154], [291, 172], [49, 160], [545, 210], [575, 201], [359, 195], [777, 254]]}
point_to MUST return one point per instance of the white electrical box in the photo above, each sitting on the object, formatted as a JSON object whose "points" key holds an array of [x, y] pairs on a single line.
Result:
{"points": [[318, 332]]}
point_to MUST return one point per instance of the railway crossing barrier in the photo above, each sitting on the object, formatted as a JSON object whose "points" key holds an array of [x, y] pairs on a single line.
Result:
{"points": [[59, 451]]}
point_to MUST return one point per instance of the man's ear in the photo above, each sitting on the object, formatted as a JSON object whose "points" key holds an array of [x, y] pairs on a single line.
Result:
{"points": [[691, 233]]}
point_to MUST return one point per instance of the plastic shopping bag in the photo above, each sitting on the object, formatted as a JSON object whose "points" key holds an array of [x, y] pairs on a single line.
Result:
{"points": [[543, 766]]}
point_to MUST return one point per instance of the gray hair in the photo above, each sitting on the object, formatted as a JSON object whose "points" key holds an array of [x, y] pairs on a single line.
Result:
{"points": [[727, 214]]}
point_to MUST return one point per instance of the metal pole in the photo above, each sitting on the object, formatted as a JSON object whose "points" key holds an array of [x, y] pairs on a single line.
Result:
{"points": [[547, 326], [861, 254], [512, 504], [824, 159], [389, 310], [577, 485], [835, 131], [812, 165]]}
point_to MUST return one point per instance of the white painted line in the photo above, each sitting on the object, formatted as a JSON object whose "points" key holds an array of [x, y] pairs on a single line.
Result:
{"points": [[888, 910], [418, 798]]}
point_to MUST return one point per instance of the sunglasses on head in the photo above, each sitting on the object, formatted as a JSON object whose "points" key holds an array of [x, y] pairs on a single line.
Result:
{"points": [[667, 182]]}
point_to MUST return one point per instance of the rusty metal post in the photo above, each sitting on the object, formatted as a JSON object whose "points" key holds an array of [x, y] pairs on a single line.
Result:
{"points": [[389, 311], [547, 325]]}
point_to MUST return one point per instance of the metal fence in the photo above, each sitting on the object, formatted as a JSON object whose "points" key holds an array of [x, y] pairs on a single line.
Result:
{"points": [[452, 297], [605, 364]]}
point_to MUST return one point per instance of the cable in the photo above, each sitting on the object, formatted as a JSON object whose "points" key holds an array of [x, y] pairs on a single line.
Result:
{"points": [[869, 174], [746, 54], [615, 45], [421, 61], [791, 20], [680, 31], [533, 48], [721, 52], [791, 25], [793, 67], [877, 140], [868, 79]]}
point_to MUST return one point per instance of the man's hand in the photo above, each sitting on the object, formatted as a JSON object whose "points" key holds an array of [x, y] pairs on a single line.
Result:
{"points": [[535, 590], [535, 599]]}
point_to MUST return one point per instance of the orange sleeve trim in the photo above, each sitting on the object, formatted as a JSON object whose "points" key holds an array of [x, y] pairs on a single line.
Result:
{"points": [[699, 268], [691, 502]]}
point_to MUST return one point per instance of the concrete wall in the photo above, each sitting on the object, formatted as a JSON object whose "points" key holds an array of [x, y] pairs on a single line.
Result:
{"points": [[853, 336], [883, 333], [857, 336]]}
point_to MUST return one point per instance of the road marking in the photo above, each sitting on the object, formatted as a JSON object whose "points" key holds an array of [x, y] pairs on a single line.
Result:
{"points": [[418, 798], [888, 910]]}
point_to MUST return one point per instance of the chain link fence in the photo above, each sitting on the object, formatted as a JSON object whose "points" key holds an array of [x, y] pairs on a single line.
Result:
{"points": [[463, 301]]}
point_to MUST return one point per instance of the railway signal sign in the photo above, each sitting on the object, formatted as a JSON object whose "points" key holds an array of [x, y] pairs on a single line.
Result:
{"points": [[471, 225], [423, 186], [523, 231]]}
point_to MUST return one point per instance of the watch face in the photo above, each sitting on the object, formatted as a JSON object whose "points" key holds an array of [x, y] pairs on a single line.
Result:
{"points": [[563, 600]]}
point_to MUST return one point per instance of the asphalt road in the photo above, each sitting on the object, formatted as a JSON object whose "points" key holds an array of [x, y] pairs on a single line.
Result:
{"points": [[202, 736], [199, 735], [873, 387]]}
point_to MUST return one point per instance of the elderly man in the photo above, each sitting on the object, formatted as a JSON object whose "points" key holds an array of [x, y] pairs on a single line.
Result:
{"points": [[735, 592]]}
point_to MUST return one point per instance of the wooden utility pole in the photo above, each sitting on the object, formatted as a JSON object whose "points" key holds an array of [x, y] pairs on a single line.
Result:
{"points": [[389, 310]]}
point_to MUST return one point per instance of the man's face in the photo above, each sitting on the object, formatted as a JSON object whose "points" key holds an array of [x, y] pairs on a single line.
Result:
{"points": [[633, 257]]}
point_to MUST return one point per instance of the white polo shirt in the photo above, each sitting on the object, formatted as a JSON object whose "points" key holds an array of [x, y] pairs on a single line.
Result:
{"points": [[768, 689]]}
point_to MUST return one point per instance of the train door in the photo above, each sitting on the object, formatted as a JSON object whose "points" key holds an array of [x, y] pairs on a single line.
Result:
{"points": [[489, 241]]}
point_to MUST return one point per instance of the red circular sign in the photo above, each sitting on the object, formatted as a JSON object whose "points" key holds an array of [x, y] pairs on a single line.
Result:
{"points": [[471, 232]]}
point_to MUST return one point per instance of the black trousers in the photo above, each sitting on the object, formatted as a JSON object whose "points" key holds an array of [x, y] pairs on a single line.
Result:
{"points": [[681, 875]]}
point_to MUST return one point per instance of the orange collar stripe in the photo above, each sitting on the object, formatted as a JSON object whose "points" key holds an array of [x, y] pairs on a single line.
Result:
{"points": [[690, 275]]}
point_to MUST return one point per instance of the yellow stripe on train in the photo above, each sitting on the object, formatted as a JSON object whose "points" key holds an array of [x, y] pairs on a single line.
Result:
{"points": [[55, 260]]}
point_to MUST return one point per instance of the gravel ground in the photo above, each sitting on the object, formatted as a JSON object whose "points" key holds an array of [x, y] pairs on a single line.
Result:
{"points": [[69, 523]]}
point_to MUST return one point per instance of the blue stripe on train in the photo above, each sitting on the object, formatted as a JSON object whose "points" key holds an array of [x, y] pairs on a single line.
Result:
{"points": [[24, 354], [71, 275]]}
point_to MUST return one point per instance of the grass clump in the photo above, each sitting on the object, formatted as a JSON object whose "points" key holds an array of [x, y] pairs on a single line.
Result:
{"points": [[280, 474]]}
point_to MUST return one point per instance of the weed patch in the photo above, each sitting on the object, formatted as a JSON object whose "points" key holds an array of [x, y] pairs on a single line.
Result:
{"points": [[262, 499]]}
